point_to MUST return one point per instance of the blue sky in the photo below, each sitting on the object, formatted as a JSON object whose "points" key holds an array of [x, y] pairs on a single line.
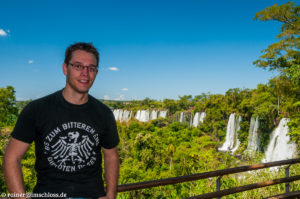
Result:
{"points": [[156, 49]]}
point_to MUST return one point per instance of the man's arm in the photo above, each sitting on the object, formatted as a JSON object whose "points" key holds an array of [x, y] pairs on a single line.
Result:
{"points": [[12, 165], [111, 168]]}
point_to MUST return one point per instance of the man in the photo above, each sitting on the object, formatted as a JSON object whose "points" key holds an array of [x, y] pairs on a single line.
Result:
{"points": [[69, 128]]}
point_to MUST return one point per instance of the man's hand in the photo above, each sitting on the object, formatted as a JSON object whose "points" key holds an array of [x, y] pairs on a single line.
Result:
{"points": [[12, 165], [111, 168]]}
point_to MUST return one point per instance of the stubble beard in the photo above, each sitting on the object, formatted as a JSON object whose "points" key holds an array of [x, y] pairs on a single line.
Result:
{"points": [[73, 86]]}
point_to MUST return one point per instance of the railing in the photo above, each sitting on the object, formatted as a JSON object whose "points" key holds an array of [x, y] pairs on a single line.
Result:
{"points": [[219, 174]]}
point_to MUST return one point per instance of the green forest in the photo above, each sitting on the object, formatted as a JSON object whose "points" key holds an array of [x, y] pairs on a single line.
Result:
{"points": [[164, 148]]}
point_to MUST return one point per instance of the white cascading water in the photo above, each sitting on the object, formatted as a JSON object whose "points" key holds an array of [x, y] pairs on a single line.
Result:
{"points": [[138, 115], [116, 113], [279, 147], [254, 138], [153, 115], [232, 142], [182, 117], [202, 116], [122, 115], [126, 116], [163, 114], [191, 120], [237, 128], [198, 117], [143, 116]]}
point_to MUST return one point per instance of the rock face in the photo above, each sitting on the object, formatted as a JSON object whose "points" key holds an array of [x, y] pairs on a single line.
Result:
{"points": [[232, 142], [280, 147]]}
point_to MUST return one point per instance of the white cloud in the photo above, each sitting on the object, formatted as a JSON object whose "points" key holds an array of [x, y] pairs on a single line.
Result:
{"points": [[124, 89], [8, 30], [106, 97], [3, 33], [113, 68], [30, 62]]}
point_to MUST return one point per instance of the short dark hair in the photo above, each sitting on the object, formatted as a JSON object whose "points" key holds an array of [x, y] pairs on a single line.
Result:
{"points": [[88, 47]]}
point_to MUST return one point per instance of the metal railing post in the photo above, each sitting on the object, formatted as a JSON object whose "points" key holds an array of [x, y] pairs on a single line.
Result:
{"points": [[287, 174], [219, 185]]}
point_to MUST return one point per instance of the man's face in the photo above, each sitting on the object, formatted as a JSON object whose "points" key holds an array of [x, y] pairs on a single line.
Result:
{"points": [[80, 81]]}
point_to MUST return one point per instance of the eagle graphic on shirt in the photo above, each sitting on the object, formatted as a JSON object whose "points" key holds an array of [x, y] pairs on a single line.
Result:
{"points": [[68, 149]]}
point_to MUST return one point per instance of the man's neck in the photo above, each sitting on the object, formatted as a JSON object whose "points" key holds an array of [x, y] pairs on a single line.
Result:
{"points": [[74, 97]]}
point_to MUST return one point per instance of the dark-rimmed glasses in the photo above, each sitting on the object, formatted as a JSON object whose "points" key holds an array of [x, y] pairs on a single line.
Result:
{"points": [[80, 67]]}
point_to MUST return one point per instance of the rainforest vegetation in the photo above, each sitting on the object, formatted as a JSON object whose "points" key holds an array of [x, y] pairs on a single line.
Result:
{"points": [[165, 148]]}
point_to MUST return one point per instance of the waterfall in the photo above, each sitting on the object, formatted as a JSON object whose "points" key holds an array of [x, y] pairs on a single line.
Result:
{"points": [[153, 115], [231, 140], [121, 115], [279, 147], [199, 117], [116, 113], [237, 141], [138, 115], [202, 116], [196, 119], [163, 114], [191, 120], [182, 117], [142, 115], [126, 116], [254, 138]]}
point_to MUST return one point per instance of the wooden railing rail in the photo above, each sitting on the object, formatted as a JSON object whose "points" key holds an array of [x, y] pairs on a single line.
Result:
{"points": [[175, 180], [248, 187]]}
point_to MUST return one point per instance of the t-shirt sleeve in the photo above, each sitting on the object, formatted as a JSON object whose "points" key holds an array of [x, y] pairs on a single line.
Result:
{"points": [[110, 137], [25, 127]]}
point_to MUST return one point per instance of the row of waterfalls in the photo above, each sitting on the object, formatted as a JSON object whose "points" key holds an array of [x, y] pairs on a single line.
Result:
{"points": [[141, 115], [279, 148], [146, 116]]}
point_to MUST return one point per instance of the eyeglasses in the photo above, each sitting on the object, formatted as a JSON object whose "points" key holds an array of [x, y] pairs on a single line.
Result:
{"points": [[80, 67]]}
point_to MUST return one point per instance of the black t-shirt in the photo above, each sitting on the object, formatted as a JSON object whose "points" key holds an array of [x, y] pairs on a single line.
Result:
{"points": [[68, 140]]}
